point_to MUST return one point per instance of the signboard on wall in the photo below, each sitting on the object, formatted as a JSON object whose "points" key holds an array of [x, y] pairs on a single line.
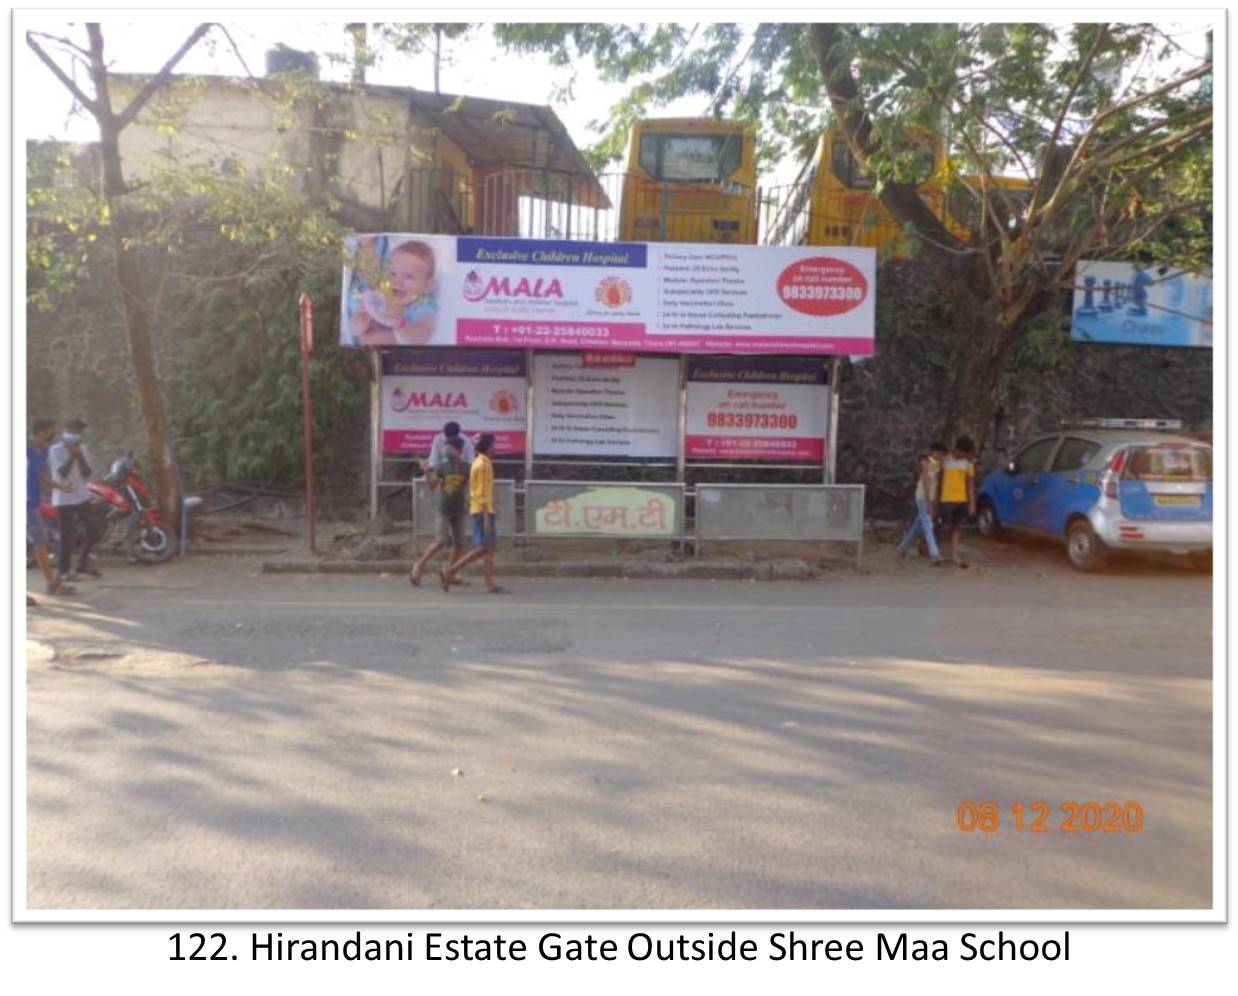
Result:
{"points": [[635, 511], [582, 408], [759, 408], [483, 390], [441, 290], [1147, 306]]}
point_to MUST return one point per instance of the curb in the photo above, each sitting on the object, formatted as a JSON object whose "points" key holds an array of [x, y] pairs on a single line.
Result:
{"points": [[238, 551], [700, 571]]}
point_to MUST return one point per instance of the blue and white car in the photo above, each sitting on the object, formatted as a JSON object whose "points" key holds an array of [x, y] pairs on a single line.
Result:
{"points": [[1110, 484]]}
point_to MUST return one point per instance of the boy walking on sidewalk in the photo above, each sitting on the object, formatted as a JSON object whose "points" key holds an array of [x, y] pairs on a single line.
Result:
{"points": [[451, 477], [481, 505], [958, 492], [927, 487]]}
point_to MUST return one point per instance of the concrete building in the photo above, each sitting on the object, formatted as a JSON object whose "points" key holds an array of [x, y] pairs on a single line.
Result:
{"points": [[385, 158]]}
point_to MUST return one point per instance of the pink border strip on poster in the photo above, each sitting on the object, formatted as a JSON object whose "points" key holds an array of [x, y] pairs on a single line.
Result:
{"points": [[632, 337], [754, 448], [418, 441]]}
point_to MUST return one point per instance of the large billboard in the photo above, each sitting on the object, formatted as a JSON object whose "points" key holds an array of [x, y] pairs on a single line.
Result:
{"points": [[441, 290], [482, 390], [756, 408], [1147, 306]]}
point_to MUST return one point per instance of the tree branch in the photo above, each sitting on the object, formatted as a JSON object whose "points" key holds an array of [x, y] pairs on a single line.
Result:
{"points": [[61, 75], [1170, 122], [1051, 146], [258, 81], [902, 200], [1143, 98], [1172, 142], [159, 79]]}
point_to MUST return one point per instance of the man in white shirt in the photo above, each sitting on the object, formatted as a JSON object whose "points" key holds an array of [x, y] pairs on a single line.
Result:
{"points": [[451, 429], [70, 463]]}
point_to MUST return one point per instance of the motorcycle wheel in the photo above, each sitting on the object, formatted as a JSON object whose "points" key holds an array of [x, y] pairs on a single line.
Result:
{"points": [[150, 544]]}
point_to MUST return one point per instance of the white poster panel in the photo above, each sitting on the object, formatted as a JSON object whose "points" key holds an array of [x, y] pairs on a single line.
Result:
{"points": [[436, 290], [1141, 305], [585, 408]]}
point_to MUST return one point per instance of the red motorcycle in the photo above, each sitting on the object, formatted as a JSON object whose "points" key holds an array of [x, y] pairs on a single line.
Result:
{"points": [[122, 503]]}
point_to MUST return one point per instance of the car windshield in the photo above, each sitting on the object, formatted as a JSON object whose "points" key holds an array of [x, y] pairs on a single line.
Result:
{"points": [[1170, 462]]}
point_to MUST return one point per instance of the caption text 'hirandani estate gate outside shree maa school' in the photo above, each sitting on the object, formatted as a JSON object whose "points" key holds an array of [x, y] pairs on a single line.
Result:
{"points": [[618, 377]]}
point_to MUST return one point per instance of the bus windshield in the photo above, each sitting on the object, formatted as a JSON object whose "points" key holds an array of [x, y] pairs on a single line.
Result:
{"points": [[695, 158]]}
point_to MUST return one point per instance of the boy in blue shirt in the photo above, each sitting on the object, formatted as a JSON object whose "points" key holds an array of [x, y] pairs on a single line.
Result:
{"points": [[38, 483]]}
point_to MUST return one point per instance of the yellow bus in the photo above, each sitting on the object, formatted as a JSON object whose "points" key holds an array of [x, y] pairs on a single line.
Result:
{"points": [[833, 203], [689, 180]]}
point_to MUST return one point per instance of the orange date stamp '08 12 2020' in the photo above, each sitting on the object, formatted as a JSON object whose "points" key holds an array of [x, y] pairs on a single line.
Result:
{"points": [[1088, 816]]}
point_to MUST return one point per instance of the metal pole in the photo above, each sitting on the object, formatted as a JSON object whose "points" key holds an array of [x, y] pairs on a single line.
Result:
{"points": [[681, 452], [528, 414], [307, 409], [376, 448], [831, 433]]}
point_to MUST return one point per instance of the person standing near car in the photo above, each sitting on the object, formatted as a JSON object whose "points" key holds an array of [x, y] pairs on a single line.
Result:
{"points": [[928, 483], [958, 492], [70, 461], [38, 484]]}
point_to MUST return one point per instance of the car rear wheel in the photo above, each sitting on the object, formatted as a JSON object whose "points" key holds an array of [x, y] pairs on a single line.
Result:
{"points": [[1083, 547], [987, 523]]}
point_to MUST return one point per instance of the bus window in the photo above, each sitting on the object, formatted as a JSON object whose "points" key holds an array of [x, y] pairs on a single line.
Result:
{"points": [[692, 158], [846, 168]]}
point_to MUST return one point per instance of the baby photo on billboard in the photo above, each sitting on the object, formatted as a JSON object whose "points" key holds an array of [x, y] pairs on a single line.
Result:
{"points": [[391, 294]]}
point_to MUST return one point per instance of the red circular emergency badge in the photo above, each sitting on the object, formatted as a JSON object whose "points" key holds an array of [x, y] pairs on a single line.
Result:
{"points": [[822, 285]]}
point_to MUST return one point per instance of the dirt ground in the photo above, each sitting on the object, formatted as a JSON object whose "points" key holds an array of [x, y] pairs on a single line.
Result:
{"points": [[203, 736]]}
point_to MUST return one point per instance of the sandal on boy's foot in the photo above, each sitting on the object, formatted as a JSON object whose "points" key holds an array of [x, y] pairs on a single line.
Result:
{"points": [[90, 570], [414, 577], [963, 564], [71, 576], [444, 580], [498, 589]]}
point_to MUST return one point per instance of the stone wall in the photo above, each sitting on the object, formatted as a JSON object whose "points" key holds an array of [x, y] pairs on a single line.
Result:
{"points": [[77, 363], [892, 404]]}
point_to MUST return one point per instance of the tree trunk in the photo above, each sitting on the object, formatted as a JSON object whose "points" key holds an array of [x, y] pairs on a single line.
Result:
{"points": [[133, 297], [150, 400], [983, 346]]}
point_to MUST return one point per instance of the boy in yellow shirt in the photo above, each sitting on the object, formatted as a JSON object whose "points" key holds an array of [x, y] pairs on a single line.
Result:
{"points": [[481, 506], [958, 492]]}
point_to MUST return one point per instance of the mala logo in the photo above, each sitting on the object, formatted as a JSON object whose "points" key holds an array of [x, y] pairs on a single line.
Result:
{"points": [[614, 292], [402, 402], [477, 289]]}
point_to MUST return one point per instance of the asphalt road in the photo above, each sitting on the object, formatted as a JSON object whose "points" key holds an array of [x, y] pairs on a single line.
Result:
{"points": [[200, 736]]}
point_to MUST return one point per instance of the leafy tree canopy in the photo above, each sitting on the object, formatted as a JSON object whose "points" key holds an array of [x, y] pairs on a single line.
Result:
{"points": [[1110, 125]]}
